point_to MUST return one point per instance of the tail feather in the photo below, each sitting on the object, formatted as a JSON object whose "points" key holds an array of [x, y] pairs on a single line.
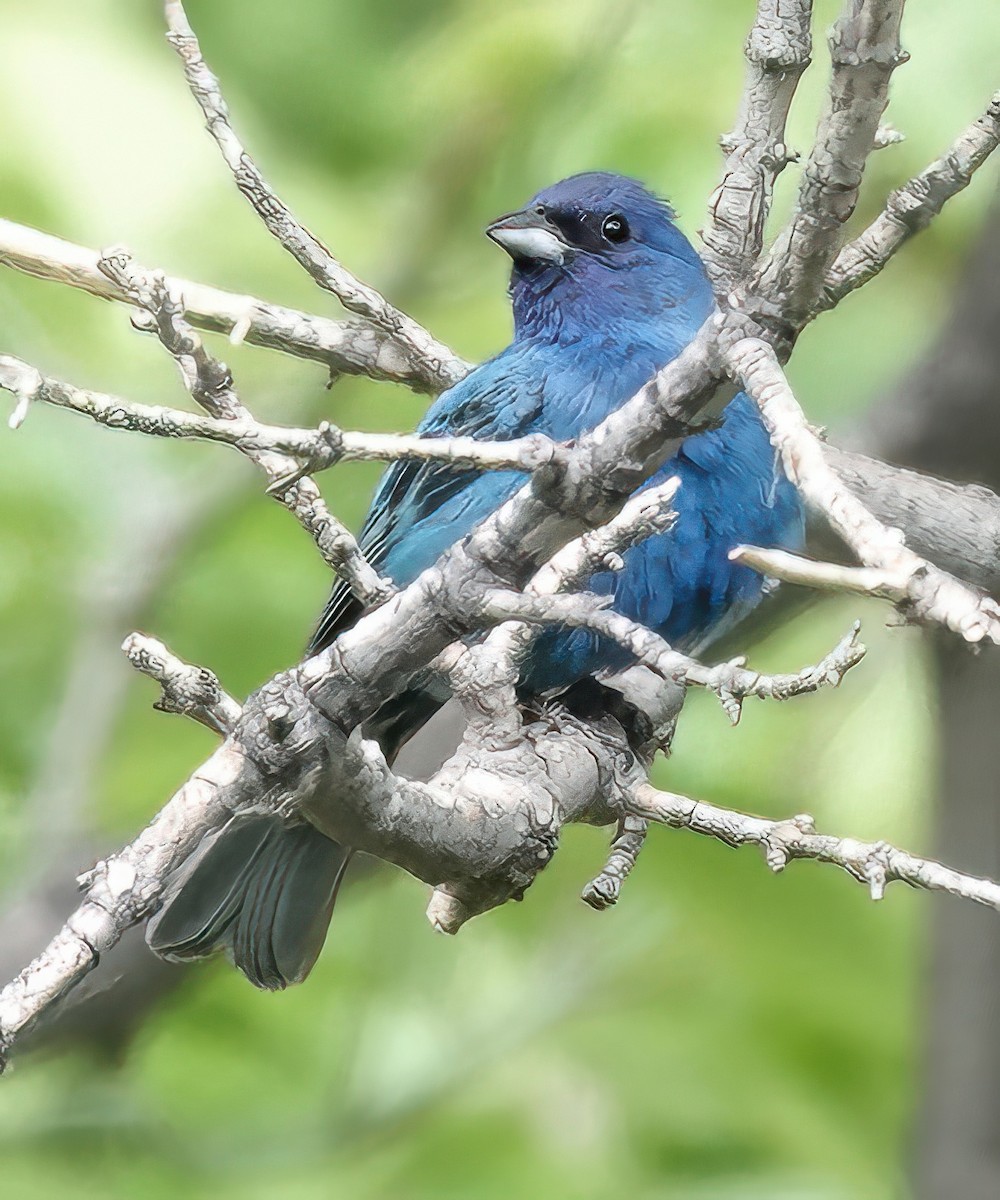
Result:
{"points": [[253, 930], [264, 890], [260, 889], [302, 914]]}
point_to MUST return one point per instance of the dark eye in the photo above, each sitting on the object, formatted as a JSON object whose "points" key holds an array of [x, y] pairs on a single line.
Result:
{"points": [[615, 228]]}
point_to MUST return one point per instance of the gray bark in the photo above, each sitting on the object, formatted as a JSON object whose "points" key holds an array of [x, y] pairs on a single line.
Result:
{"points": [[944, 417]]}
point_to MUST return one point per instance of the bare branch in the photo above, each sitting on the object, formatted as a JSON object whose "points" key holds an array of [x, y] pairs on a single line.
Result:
{"points": [[484, 676], [875, 864], [731, 681], [647, 513], [955, 525], [186, 689], [923, 591], [864, 47], [301, 497], [777, 52], [603, 891], [119, 893], [467, 827], [206, 377], [311, 449], [912, 207], [826, 576], [437, 364], [352, 347]]}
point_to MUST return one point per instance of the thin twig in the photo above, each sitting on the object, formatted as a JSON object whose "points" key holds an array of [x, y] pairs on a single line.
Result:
{"points": [[604, 890], [875, 864], [186, 689], [912, 207], [731, 681], [211, 384], [435, 361], [308, 450], [351, 347]]}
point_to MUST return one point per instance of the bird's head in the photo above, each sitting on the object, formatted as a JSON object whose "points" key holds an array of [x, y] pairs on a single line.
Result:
{"points": [[596, 251]]}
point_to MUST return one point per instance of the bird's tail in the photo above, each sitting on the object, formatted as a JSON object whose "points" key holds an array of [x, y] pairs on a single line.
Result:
{"points": [[264, 890], [260, 889]]}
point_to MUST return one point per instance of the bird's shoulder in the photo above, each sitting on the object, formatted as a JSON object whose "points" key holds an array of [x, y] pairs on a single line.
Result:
{"points": [[500, 398]]}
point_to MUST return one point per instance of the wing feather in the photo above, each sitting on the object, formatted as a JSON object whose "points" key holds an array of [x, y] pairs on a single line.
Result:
{"points": [[498, 401]]}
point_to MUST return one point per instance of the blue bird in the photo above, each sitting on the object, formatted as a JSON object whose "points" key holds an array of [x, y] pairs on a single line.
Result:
{"points": [[605, 291]]}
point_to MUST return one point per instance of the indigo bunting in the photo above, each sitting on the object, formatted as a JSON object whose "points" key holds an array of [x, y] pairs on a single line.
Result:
{"points": [[605, 291]]}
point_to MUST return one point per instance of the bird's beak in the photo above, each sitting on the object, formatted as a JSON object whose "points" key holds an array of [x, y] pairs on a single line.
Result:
{"points": [[529, 236]]}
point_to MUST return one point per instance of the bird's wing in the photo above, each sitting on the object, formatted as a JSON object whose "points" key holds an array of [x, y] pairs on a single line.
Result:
{"points": [[496, 401]]}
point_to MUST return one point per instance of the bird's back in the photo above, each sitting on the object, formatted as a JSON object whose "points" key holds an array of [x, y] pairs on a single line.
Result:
{"points": [[682, 583]]}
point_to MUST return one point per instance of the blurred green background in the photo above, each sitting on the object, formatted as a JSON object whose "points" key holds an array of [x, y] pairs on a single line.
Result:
{"points": [[723, 1033]]}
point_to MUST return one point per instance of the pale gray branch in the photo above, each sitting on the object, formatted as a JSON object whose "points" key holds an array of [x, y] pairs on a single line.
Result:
{"points": [[875, 864], [954, 525], [603, 890], [310, 449], [731, 681], [923, 591], [298, 494], [185, 689], [646, 514], [913, 206], [777, 52], [352, 347], [437, 364], [864, 48]]}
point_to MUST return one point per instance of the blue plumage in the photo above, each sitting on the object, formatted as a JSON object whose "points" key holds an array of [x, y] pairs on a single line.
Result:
{"points": [[605, 290], [594, 318]]}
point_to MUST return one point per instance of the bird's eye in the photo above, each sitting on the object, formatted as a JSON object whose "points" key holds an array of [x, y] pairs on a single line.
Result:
{"points": [[615, 228]]}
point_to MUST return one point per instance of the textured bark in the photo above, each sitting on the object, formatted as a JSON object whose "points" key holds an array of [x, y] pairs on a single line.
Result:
{"points": [[945, 417], [958, 525], [352, 347], [488, 820]]}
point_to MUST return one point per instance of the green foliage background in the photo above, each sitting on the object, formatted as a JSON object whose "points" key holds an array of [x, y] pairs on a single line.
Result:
{"points": [[723, 1034]]}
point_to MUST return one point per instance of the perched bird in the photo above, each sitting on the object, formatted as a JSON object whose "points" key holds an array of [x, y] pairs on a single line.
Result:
{"points": [[605, 290]]}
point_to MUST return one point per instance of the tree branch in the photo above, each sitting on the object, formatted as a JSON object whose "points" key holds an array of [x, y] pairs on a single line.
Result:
{"points": [[865, 50], [777, 52], [875, 864], [922, 591], [352, 347], [435, 362], [731, 682], [912, 207], [305, 450], [956, 526], [191, 691]]}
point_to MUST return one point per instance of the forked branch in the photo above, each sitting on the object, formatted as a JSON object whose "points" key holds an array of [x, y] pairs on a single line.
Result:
{"points": [[489, 820]]}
